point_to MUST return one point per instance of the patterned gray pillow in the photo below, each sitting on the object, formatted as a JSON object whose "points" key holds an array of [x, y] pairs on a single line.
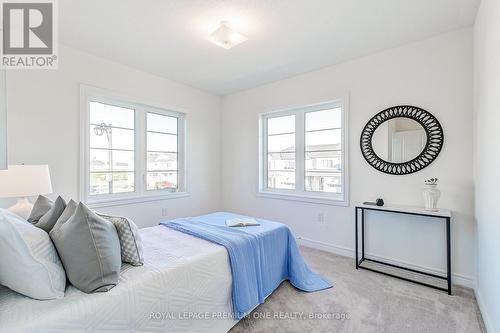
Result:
{"points": [[130, 240]]}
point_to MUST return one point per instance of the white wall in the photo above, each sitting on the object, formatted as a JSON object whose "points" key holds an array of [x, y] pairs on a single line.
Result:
{"points": [[487, 159], [3, 123], [435, 74], [43, 128]]}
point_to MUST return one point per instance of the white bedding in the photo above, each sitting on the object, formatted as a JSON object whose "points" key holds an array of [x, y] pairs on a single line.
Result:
{"points": [[182, 276]]}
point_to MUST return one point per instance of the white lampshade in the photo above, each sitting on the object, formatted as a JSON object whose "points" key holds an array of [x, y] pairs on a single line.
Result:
{"points": [[25, 181]]}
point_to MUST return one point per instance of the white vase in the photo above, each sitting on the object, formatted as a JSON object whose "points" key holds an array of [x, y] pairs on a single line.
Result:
{"points": [[431, 196]]}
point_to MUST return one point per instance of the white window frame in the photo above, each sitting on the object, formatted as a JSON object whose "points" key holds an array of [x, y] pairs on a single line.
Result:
{"points": [[141, 194], [299, 193]]}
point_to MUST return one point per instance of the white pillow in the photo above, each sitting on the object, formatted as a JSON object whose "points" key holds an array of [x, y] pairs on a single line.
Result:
{"points": [[29, 263]]}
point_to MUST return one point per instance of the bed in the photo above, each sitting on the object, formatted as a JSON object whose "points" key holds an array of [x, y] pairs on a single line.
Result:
{"points": [[198, 276], [181, 273]]}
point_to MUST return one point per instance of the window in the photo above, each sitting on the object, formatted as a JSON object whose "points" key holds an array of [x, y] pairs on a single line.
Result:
{"points": [[281, 152], [304, 153], [130, 150], [112, 149], [162, 152]]}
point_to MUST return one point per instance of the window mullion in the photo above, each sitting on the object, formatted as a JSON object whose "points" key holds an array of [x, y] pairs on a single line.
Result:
{"points": [[181, 153], [265, 180], [140, 150], [299, 151]]}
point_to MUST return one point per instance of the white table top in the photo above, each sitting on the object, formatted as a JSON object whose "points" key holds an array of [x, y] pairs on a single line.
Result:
{"points": [[409, 209]]}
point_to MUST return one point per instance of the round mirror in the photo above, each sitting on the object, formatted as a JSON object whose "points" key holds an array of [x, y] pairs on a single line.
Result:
{"points": [[402, 139], [399, 140]]}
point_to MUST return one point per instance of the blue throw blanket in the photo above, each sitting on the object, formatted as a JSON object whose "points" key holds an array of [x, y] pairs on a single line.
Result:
{"points": [[261, 257]]}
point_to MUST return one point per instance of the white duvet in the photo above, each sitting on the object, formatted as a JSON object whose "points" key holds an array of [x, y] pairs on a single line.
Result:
{"points": [[184, 286]]}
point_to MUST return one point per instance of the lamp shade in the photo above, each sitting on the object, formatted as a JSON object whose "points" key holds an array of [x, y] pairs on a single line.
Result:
{"points": [[25, 181]]}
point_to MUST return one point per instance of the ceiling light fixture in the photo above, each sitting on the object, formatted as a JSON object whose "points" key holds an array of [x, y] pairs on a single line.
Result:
{"points": [[226, 37]]}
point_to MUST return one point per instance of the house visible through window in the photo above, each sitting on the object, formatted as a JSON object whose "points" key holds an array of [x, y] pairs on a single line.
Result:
{"points": [[304, 152], [323, 151], [132, 150]]}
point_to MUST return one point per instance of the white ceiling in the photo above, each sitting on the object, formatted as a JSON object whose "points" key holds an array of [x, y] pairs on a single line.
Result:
{"points": [[286, 37]]}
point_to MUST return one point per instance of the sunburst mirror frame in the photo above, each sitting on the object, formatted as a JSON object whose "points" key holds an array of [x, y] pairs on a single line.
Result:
{"points": [[433, 146]]}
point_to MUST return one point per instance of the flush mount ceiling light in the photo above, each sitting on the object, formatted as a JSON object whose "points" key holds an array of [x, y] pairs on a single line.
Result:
{"points": [[226, 37]]}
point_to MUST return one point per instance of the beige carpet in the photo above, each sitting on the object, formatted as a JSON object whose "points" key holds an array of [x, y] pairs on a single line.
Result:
{"points": [[362, 301]]}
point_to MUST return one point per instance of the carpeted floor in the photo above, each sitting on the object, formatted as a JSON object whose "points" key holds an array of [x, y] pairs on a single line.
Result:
{"points": [[362, 301]]}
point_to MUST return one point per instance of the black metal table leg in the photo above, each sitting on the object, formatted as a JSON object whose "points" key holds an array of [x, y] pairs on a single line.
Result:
{"points": [[448, 254], [362, 234], [356, 238]]}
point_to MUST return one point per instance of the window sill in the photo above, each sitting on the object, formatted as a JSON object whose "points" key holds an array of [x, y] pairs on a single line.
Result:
{"points": [[303, 198], [134, 200]]}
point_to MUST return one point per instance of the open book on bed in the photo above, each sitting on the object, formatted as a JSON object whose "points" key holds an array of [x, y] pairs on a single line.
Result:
{"points": [[241, 222]]}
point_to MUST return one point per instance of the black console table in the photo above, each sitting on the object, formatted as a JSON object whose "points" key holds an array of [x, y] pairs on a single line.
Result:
{"points": [[441, 214]]}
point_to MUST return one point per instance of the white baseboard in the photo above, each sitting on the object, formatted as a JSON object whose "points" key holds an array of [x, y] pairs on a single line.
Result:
{"points": [[328, 247], [484, 313], [459, 279]]}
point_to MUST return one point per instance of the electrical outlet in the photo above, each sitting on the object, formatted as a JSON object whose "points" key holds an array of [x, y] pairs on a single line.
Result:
{"points": [[164, 212], [321, 217]]}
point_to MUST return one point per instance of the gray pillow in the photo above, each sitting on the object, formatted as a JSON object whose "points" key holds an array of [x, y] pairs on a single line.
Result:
{"points": [[49, 219], [67, 213], [89, 249], [40, 208], [130, 239]]}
